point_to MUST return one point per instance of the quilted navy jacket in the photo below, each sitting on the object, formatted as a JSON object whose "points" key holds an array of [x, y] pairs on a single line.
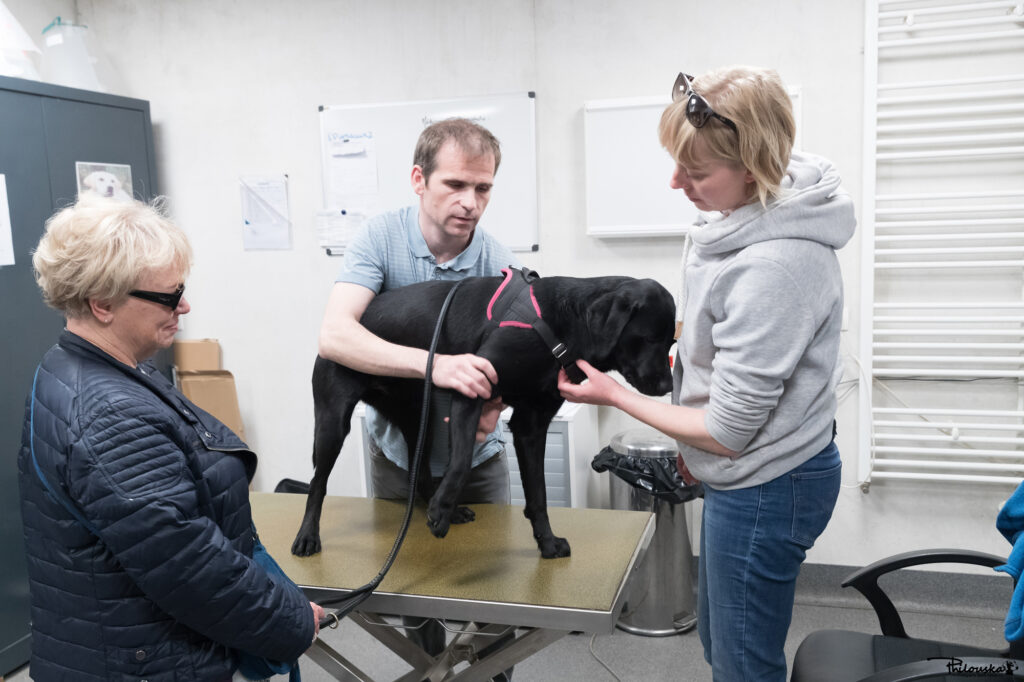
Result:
{"points": [[168, 588]]}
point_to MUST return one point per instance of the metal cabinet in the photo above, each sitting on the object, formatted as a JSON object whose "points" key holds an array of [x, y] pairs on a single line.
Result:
{"points": [[571, 443], [44, 130]]}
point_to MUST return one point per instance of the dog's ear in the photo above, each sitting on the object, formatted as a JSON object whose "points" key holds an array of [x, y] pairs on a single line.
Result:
{"points": [[607, 316]]}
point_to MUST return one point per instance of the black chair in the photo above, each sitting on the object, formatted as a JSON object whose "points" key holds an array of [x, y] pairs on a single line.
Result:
{"points": [[290, 485], [844, 656]]}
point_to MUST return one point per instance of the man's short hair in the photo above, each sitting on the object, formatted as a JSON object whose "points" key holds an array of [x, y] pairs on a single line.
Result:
{"points": [[471, 138]]}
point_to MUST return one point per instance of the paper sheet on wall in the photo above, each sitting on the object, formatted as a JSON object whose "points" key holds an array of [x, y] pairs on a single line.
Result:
{"points": [[335, 227], [352, 193], [351, 167], [265, 222], [6, 240]]}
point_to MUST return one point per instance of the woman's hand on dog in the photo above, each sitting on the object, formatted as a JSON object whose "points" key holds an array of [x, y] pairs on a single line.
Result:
{"points": [[598, 389], [470, 375]]}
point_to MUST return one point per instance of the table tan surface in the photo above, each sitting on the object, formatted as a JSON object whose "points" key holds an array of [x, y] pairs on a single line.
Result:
{"points": [[488, 567]]}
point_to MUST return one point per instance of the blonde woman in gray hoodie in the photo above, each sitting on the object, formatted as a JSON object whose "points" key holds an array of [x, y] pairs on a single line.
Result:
{"points": [[754, 402]]}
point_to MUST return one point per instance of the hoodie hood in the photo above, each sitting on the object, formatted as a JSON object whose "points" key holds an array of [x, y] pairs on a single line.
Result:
{"points": [[811, 205]]}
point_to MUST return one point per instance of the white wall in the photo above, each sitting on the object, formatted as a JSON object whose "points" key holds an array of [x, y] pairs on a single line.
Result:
{"points": [[235, 86]]}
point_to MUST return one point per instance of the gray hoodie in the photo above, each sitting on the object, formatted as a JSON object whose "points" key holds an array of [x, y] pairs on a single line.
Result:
{"points": [[762, 309]]}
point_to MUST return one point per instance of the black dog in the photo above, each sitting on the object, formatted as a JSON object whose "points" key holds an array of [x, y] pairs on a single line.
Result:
{"points": [[614, 323]]}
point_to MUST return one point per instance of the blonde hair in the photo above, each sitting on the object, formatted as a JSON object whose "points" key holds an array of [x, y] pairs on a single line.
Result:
{"points": [[99, 249], [756, 101]]}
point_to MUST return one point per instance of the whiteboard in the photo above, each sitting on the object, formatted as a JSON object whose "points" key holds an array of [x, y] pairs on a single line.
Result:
{"points": [[628, 171], [367, 152]]}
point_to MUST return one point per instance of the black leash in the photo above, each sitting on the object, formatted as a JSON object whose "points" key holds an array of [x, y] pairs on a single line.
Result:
{"points": [[350, 601]]}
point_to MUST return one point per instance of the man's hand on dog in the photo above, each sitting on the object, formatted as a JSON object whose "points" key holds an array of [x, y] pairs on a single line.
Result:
{"points": [[470, 375]]}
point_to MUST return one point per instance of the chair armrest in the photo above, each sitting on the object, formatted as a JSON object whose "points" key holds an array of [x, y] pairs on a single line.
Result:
{"points": [[865, 580], [968, 666]]}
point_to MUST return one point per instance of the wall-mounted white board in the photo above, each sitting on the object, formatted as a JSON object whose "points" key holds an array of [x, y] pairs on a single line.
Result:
{"points": [[367, 152], [628, 171]]}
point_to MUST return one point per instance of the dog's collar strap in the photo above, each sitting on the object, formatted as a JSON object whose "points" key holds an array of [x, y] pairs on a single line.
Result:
{"points": [[514, 305]]}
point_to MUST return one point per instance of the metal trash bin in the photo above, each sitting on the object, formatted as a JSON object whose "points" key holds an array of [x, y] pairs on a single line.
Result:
{"points": [[660, 596]]}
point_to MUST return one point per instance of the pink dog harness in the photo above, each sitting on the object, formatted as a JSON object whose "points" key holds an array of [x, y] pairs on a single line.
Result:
{"points": [[514, 305]]}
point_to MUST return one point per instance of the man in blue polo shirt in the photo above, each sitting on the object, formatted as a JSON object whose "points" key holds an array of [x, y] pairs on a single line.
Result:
{"points": [[453, 172]]}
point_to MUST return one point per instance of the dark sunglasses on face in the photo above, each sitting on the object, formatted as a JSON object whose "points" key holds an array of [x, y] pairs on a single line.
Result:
{"points": [[170, 300], [698, 111]]}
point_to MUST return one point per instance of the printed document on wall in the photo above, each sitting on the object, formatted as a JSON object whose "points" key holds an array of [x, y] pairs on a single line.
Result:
{"points": [[351, 167], [335, 227], [351, 190], [6, 241], [265, 222]]}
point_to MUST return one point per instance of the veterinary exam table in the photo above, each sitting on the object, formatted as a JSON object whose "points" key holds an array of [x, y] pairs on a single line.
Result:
{"points": [[486, 578]]}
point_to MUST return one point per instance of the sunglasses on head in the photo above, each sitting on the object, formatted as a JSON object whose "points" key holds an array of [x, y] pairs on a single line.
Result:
{"points": [[170, 300], [698, 111]]}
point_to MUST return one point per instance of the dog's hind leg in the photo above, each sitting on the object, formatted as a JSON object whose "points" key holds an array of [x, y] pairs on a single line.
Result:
{"points": [[443, 509], [333, 415], [529, 431]]}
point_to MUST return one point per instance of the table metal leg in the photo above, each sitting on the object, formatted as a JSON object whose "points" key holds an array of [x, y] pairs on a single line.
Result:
{"points": [[393, 637], [336, 665], [515, 651], [463, 648]]}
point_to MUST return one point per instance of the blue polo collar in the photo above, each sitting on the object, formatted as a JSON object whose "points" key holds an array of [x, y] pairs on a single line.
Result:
{"points": [[418, 245]]}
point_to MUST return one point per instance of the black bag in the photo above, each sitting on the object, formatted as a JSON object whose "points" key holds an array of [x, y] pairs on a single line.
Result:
{"points": [[656, 475]]}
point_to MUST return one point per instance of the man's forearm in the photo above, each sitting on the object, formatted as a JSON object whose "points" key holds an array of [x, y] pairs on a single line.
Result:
{"points": [[351, 344]]}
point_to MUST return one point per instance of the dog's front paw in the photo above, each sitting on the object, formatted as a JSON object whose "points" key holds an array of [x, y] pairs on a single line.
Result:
{"points": [[306, 545], [463, 515], [553, 547], [439, 527]]}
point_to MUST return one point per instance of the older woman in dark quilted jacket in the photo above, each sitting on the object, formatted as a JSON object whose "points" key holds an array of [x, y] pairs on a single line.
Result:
{"points": [[154, 579]]}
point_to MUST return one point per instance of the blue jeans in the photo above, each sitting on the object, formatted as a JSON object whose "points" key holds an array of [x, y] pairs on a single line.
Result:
{"points": [[752, 542]]}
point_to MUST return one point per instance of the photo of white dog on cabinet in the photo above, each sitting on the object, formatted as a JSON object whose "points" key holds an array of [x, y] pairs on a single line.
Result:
{"points": [[108, 180]]}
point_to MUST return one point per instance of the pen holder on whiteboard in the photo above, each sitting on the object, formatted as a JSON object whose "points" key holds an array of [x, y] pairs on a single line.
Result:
{"points": [[66, 58]]}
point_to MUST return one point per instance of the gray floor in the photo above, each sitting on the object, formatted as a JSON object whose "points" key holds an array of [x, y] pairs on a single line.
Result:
{"points": [[934, 606], [650, 659]]}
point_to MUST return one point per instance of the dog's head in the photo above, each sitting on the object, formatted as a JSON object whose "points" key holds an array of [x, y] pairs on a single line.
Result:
{"points": [[633, 327], [102, 183]]}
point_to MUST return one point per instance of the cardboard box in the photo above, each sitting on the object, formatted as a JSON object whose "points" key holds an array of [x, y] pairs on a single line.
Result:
{"points": [[197, 355], [214, 392]]}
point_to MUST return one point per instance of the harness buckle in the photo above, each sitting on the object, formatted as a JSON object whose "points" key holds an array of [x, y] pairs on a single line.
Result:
{"points": [[559, 351]]}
